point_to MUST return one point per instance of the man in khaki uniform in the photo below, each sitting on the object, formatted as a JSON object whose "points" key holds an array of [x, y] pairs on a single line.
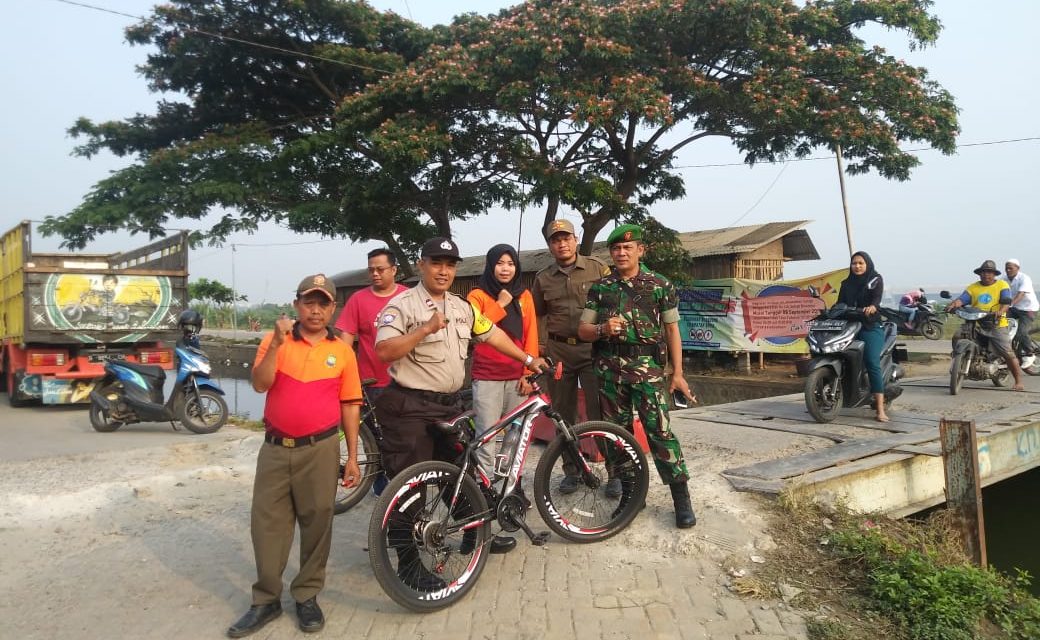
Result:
{"points": [[560, 291], [425, 334]]}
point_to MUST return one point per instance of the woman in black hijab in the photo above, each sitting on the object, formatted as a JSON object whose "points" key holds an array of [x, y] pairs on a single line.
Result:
{"points": [[864, 288], [498, 381]]}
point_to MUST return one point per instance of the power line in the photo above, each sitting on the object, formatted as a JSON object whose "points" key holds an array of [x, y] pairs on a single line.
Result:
{"points": [[298, 54], [285, 244], [744, 164], [762, 197]]}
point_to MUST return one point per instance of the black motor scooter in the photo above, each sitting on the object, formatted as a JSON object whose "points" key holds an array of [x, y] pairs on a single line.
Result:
{"points": [[837, 375], [927, 322]]}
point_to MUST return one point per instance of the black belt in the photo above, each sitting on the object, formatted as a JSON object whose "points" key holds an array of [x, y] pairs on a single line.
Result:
{"points": [[567, 339], [446, 399], [627, 350], [291, 443]]}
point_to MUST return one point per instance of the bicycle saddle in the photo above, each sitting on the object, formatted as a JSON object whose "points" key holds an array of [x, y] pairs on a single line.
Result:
{"points": [[456, 425]]}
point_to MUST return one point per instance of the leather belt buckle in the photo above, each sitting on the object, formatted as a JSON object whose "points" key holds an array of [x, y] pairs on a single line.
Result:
{"points": [[572, 341], [289, 443]]}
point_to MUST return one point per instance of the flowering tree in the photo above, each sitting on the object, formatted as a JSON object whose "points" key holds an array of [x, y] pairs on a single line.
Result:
{"points": [[588, 102]]}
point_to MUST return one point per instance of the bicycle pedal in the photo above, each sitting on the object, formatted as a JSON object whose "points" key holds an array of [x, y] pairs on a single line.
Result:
{"points": [[539, 539]]}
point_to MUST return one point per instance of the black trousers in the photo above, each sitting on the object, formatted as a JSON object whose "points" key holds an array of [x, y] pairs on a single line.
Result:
{"points": [[407, 439]]}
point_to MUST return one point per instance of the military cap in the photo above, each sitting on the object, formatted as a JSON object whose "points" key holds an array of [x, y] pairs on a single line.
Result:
{"points": [[626, 233]]}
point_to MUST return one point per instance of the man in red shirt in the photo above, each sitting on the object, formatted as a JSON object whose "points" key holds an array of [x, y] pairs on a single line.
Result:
{"points": [[358, 319], [313, 391]]}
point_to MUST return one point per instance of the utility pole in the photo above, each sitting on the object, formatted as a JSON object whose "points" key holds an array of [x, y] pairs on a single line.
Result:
{"points": [[234, 296], [844, 198]]}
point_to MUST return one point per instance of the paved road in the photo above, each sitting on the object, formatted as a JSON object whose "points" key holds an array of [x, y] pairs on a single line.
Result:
{"points": [[145, 531]]}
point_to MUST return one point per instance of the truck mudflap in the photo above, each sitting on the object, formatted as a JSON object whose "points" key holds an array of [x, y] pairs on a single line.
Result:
{"points": [[24, 388]]}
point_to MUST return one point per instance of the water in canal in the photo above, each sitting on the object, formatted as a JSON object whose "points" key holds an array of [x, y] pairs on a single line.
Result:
{"points": [[1013, 524], [1012, 519]]}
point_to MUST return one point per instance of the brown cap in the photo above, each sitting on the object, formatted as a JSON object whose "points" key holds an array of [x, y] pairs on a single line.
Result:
{"points": [[559, 226], [317, 282]]}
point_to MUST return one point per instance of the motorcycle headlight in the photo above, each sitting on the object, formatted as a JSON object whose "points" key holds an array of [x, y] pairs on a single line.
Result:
{"points": [[835, 347], [203, 367], [839, 342]]}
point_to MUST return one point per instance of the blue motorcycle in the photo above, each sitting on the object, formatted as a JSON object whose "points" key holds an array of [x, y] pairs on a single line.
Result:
{"points": [[132, 392]]}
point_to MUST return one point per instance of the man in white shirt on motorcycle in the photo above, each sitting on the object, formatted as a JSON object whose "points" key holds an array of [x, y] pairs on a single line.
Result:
{"points": [[1024, 305]]}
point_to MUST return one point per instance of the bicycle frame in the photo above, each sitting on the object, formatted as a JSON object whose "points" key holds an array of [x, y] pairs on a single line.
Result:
{"points": [[537, 402]]}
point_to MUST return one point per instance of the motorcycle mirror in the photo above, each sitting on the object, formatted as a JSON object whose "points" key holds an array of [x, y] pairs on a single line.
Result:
{"points": [[945, 294]]}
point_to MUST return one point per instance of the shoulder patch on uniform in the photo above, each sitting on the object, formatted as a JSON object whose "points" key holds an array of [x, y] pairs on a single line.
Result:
{"points": [[388, 317], [481, 324]]}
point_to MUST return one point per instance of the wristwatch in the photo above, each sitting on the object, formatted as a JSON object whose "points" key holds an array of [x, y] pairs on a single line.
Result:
{"points": [[528, 360]]}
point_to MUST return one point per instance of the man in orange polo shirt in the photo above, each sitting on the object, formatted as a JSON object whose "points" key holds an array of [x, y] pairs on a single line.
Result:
{"points": [[313, 390]]}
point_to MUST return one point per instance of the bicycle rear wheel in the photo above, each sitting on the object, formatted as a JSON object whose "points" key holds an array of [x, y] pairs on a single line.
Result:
{"points": [[370, 464], [425, 554], [588, 513]]}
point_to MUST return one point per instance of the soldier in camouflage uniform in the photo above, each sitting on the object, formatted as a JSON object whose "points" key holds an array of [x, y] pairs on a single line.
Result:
{"points": [[631, 315]]}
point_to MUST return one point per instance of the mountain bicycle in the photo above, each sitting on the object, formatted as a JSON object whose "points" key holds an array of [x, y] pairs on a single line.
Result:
{"points": [[430, 526], [370, 434], [369, 459]]}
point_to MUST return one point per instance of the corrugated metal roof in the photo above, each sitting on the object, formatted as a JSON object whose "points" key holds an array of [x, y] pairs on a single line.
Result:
{"points": [[737, 240], [709, 242]]}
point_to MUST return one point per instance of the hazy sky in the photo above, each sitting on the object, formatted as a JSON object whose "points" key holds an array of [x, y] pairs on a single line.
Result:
{"points": [[61, 62]]}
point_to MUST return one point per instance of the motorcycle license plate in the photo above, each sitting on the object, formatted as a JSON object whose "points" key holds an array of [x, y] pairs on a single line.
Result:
{"points": [[828, 325]]}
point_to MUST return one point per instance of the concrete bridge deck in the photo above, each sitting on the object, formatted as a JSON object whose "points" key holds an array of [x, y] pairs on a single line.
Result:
{"points": [[894, 467]]}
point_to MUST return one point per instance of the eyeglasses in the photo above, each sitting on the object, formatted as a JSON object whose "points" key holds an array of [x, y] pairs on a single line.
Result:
{"points": [[378, 270]]}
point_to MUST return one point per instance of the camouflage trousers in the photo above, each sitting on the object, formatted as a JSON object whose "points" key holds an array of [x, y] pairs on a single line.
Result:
{"points": [[620, 401]]}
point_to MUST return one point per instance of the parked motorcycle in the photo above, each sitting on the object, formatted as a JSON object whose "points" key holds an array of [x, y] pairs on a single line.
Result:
{"points": [[974, 357], [132, 392], [926, 323], [837, 375]]}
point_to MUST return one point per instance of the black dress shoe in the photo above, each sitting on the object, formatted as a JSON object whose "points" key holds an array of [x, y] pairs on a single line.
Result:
{"points": [[502, 544], [255, 619], [309, 616]]}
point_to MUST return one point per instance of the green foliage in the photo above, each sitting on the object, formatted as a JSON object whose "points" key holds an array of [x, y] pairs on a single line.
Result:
{"points": [[826, 630], [213, 291], [936, 600], [377, 128], [593, 99], [664, 251]]}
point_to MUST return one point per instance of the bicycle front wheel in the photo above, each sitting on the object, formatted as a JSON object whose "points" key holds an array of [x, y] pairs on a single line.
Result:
{"points": [[368, 461], [589, 508], [425, 552]]}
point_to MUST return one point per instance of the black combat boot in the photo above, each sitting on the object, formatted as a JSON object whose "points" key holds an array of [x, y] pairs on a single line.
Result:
{"points": [[684, 518]]}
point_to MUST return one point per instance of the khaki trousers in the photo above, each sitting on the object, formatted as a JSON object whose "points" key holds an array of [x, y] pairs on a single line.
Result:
{"points": [[293, 486]]}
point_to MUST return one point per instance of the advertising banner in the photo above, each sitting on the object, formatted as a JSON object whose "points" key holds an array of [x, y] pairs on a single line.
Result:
{"points": [[731, 314]]}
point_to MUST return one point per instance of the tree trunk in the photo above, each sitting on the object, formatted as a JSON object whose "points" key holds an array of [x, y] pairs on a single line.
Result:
{"points": [[404, 263]]}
